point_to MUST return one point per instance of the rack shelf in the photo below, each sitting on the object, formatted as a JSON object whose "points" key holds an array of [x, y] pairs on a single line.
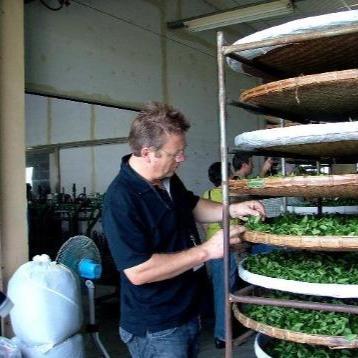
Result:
{"points": [[310, 186], [309, 53], [329, 96]]}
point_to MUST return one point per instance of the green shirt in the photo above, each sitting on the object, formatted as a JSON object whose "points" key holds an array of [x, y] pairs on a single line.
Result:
{"points": [[215, 194]]}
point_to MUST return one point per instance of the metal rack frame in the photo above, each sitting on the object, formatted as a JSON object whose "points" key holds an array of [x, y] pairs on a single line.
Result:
{"points": [[223, 51]]}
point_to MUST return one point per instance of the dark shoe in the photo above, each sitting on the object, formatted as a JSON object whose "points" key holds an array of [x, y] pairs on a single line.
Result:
{"points": [[219, 344]]}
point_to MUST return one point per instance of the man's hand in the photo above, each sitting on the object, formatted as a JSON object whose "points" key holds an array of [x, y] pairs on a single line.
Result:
{"points": [[164, 266], [266, 167], [215, 245], [247, 208]]}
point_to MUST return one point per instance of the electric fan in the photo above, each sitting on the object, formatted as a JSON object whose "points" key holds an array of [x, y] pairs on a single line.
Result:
{"points": [[81, 255]]}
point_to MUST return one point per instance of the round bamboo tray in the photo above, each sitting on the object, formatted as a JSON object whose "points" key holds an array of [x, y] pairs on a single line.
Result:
{"points": [[314, 56], [329, 186], [328, 96], [319, 243], [279, 333], [313, 140], [339, 149], [260, 343], [336, 51], [336, 290]]}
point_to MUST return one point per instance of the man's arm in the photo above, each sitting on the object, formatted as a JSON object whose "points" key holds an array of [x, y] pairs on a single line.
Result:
{"points": [[266, 167], [164, 266], [207, 211]]}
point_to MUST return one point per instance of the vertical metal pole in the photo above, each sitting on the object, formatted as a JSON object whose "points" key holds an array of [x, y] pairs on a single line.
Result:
{"points": [[92, 326], [55, 172], [225, 191], [283, 170], [319, 200]]}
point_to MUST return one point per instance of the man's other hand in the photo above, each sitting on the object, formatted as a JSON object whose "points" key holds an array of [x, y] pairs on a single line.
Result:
{"points": [[247, 208], [215, 245]]}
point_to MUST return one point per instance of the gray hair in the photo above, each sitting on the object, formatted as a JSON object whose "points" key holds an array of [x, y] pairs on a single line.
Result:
{"points": [[152, 124]]}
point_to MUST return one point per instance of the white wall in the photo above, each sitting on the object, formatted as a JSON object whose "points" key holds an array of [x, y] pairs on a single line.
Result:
{"points": [[121, 52], [53, 121]]}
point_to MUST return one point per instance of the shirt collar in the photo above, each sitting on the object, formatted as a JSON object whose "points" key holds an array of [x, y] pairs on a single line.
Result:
{"points": [[140, 184]]}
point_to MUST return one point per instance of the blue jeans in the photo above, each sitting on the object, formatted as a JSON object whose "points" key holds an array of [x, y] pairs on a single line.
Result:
{"points": [[177, 342], [216, 268]]}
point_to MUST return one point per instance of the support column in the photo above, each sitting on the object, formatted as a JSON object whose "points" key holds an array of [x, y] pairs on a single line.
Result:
{"points": [[13, 208]]}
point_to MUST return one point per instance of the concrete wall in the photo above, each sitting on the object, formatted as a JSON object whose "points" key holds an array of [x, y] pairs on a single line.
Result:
{"points": [[122, 53]]}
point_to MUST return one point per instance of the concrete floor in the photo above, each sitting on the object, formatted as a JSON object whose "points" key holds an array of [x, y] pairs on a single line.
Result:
{"points": [[107, 317]]}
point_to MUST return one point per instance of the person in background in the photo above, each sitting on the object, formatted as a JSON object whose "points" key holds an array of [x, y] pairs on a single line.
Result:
{"points": [[243, 166], [216, 267], [149, 221]]}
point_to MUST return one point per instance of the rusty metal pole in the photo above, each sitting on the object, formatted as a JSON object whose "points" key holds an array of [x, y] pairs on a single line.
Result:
{"points": [[225, 191], [283, 171], [247, 295], [319, 200]]}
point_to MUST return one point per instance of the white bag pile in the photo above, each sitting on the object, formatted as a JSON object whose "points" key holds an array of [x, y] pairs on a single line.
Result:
{"points": [[71, 347], [47, 313]]}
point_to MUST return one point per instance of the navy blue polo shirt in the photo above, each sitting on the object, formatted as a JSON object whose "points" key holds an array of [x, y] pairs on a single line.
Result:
{"points": [[138, 222]]}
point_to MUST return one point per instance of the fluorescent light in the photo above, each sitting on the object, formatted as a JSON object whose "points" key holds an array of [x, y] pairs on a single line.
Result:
{"points": [[245, 14]]}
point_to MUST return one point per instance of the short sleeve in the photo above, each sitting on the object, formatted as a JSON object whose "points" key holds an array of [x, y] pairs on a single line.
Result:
{"points": [[126, 234]]}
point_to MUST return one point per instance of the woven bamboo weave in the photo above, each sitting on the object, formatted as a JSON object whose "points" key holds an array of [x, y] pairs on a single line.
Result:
{"points": [[330, 341], [307, 186], [329, 96], [314, 56], [321, 243]]}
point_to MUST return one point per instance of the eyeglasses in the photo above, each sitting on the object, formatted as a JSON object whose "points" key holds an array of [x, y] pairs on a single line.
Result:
{"points": [[180, 154]]}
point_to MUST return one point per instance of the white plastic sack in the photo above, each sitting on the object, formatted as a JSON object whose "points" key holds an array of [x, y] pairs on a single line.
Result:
{"points": [[47, 307], [9, 349], [71, 348]]}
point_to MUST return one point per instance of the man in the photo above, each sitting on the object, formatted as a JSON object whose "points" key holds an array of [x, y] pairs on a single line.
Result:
{"points": [[149, 221], [242, 165]]}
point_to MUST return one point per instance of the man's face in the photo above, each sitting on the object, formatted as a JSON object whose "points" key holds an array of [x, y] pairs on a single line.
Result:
{"points": [[168, 158], [249, 167]]}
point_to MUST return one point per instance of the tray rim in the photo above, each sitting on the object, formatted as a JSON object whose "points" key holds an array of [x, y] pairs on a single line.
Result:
{"points": [[293, 336], [300, 287], [300, 81], [319, 243]]}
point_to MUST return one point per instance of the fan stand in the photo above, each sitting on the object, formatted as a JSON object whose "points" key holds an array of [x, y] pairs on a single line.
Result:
{"points": [[92, 327], [81, 255]]}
